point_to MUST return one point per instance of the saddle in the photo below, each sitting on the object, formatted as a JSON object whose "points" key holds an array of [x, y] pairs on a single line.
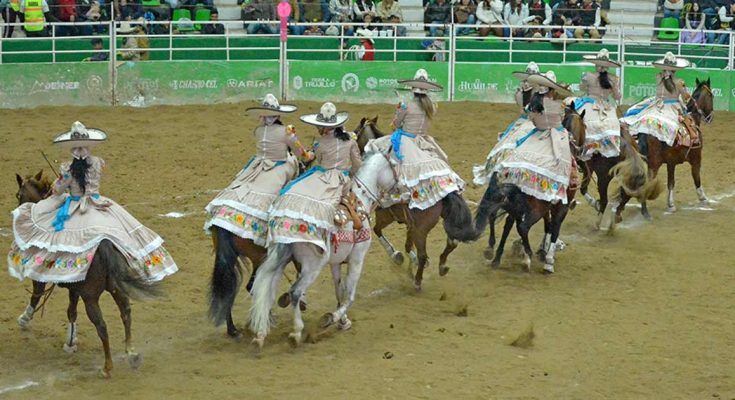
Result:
{"points": [[691, 129], [350, 209]]}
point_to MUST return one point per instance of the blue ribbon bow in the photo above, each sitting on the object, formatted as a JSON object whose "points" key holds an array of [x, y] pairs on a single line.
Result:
{"points": [[395, 141], [311, 171], [579, 102], [63, 214]]}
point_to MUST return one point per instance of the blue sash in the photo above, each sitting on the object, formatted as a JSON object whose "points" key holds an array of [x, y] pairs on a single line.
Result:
{"points": [[63, 214], [278, 163], [635, 111], [395, 141], [311, 171], [522, 140], [512, 124], [579, 102]]}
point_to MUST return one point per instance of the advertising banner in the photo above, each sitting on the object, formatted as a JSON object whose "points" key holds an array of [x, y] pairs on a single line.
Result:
{"points": [[195, 82], [68, 84], [358, 82]]}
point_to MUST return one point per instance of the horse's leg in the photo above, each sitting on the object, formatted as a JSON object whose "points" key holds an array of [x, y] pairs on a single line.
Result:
{"points": [[423, 222], [349, 287], [671, 181], [70, 344], [586, 178], [123, 304], [695, 160], [557, 218], [534, 212], [655, 160], [603, 182], [91, 304], [509, 220], [337, 280], [309, 272], [489, 252], [24, 320], [448, 249], [383, 218], [546, 240]]}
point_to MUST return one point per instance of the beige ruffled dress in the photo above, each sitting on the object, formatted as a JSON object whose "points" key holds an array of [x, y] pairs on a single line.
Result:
{"points": [[658, 116], [425, 176], [56, 238], [540, 162], [305, 212], [243, 207], [600, 116]]}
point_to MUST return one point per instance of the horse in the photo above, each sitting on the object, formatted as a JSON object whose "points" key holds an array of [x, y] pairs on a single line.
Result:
{"points": [[701, 107], [377, 173], [453, 209], [525, 210], [109, 271]]}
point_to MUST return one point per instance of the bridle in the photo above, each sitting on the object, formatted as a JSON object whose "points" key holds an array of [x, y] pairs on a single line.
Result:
{"points": [[572, 140], [694, 100], [375, 196]]}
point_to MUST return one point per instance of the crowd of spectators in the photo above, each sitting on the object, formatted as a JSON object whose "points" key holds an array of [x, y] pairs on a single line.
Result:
{"points": [[696, 16]]}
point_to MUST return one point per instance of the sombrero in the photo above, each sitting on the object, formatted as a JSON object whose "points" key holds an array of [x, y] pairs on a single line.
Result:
{"points": [[131, 26], [548, 80], [270, 107], [421, 83], [602, 59], [671, 62], [80, 136], [531, 68], [328, 117], [365, 34]]}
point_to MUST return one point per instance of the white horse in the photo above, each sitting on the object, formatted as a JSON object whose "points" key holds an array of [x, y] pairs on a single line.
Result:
{"points": [[376, 174]]}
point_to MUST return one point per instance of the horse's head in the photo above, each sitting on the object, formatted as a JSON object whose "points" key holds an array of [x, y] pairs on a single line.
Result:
{"points": [[32, 189], [574, 123], [701, 104], [367, 130], [377, 174]]}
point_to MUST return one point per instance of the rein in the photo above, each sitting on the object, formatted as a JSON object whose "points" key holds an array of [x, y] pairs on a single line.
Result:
{"points": [[46, 294], [695, 104]]}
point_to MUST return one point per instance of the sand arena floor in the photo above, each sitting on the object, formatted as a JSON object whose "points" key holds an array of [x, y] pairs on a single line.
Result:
{"points": [[645, 314]]}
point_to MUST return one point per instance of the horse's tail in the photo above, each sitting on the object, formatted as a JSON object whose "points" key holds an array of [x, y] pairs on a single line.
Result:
{"points": [[278, 257], [226, 276], [457, 218], [122, 277], [491, 202], [632, 176]]}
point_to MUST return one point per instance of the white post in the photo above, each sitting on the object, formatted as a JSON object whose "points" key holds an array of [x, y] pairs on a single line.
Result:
{"points": [[171, 41], [227, 40], [395, 44], [341, 42], [53, 43], [113, 59], [621, 60], [452, 61], [731, 53], [283, 71]]}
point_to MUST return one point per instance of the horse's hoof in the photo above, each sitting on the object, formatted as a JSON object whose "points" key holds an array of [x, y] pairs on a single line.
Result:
{"points": [[548, 268], [235, 335], [258, 343], [70, 349], [671, 209], [527, 263], [302, 305], [573, 204], [24, 323], [618, 219], [345, 324], [489, 253], [294, 339], [560, 245], [647, 216], [398, 258], [417, 286], [135, 360], [104, 373], [284, 301], [443, 270], [326, 320], [495, 264], [541, 255]]}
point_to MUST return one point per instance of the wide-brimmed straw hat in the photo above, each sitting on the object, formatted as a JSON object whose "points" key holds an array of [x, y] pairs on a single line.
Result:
{"points": [[365, 34], [531, 68], [80, 136], [548, 80], [131, 26], [421, 83], [328, 117], [671, 62], [602, 58], [270, 107]]}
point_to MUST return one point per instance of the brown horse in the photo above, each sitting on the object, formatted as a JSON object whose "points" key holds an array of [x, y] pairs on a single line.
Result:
{"points": [[701, 108], [524, 210], [452, 209], [109, 271]]}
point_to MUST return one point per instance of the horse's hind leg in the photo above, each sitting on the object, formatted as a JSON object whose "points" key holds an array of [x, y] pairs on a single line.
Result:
{"points": [[448, 249], [586, 178], [91, 304], [383, 218], [123, 303], [557, 218], [24, 320], [671, 182], [546, 241], [501, 246], [524, 227], [490, 250], [309, 273], [70, 344]]}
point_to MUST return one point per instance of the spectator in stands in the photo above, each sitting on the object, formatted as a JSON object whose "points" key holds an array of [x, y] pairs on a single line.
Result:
{"points": [[566, 15], [589, 20], [672, 9], [134, 45], [128, 10], [464, 14], [541, 11], [386, 8], [366, 51], [438, 12], [313, 12], [261, 11], [297, 15], [213, 29], [341, 12], [89, 11], [362, 8], [99, 54], [65, 11], [725, 16], [34, 14], [396, 30], [9, 10], [516, 13], [694, 23], [490, 12]]}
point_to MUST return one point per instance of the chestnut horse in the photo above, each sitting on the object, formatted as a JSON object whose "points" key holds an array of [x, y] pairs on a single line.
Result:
{"points": [[452, 209], [701, 108], [524, 210], [109, 271]]}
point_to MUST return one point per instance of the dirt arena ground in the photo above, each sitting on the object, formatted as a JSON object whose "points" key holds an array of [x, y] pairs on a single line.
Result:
{"points": [[644, 314]]}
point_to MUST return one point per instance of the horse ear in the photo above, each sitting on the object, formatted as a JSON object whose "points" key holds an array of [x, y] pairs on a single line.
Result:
{"points": [[19, 179], [709, 81], [362, 121], [696, 80], [39, 175], [375, 120], [583, 113]]}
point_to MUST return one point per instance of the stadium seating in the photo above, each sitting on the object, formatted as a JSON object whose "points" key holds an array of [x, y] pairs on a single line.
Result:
{"points": [[665, 29]]}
